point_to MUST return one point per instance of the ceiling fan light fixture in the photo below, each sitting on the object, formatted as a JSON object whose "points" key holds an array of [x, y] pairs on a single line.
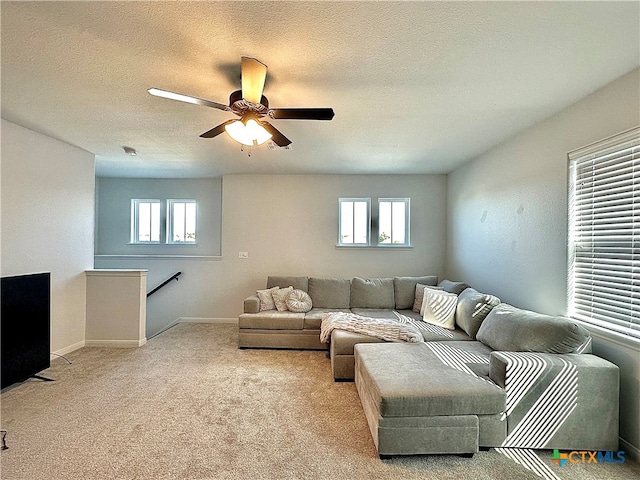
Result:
{"points": [[248, 132]]}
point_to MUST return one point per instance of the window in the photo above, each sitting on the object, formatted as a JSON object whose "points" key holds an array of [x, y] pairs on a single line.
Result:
{"points": [[145, 221], [393, 221], [181, 221], [604, 234], [354, 221], [388, 223]]}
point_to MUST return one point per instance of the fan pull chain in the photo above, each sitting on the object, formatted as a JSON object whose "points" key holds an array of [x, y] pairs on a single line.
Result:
{"points": [[248, 150]]}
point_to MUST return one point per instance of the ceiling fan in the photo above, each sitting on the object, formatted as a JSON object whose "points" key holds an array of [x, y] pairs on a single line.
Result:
{"points": [[251, 106]]}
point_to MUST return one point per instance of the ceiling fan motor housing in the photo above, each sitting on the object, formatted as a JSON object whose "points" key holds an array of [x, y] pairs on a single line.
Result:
{"points": [[240, 106]]}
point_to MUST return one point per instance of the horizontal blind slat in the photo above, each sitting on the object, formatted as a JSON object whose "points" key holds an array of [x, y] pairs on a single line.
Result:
{"points": [[604, 222]]}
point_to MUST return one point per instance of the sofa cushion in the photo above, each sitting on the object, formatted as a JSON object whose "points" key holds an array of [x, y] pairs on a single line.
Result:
{"points": [[271, 320], [439, 308], [342, 341], [266, 299], [433, 333], [280, 298], [508, 328], [473, 307], [313, 318], [453, 287], [375, 312], [300, 283], [405, 289], [330, 292], [298, 301], [402, 390], [372, 293]]}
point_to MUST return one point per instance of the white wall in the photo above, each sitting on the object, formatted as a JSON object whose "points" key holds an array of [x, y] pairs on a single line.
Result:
{"points": [[288, 225], [507, 219], [47, 222]]}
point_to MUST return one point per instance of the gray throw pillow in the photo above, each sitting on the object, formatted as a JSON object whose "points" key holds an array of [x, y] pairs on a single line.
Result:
{"points": [[473, 307], [419, 297], [511, 329], [405, 289], [330, 292], [372, 293]]}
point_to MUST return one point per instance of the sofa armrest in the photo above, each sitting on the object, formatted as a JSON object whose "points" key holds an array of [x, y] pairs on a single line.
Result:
{"points": [[564, 401], [252, 304]]}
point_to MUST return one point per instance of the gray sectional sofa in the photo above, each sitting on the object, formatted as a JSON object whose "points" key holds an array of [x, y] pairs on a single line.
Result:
{"points": [[375, 297], [503, 377]]}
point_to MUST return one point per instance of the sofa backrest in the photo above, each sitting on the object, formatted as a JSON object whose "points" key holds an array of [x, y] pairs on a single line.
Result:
{"points": [[330, 292], [372, 293], [405, 289], [512, 329], [453, 287], [298, 283]]}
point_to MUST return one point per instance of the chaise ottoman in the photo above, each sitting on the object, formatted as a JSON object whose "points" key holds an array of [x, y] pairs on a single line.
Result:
{"points": [[432, 409]]}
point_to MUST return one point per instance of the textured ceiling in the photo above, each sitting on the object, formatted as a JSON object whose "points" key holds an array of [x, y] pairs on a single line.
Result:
{"points": [[417, 87]]}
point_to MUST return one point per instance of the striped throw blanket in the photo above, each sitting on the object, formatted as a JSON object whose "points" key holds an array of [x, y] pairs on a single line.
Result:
{"points": [[384, 328]]}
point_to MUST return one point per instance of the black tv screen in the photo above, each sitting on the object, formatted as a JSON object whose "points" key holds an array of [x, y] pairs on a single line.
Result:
{"points": [[25, 328]]}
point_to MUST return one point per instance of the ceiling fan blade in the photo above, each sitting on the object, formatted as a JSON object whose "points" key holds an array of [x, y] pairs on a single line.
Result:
{"points": [[254, 73], [215, 131], [186, 98], [302, 113], [277, 137]]}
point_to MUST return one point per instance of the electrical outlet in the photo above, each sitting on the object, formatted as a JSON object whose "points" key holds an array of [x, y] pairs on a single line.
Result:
{"points": [[243, 254]]}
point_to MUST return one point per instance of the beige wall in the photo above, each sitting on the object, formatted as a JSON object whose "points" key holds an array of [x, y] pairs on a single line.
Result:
{"points": [[288, 225], [507, 220], [47, 222]]}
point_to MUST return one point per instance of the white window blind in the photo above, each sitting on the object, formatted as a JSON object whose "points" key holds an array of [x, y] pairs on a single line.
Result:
{"points": [[604, 234]]}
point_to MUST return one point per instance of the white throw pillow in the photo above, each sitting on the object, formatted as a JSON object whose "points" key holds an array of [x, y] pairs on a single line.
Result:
{"points": [[422, 296], [266, 299], [280, 298], [299, 301], [439, 308]]}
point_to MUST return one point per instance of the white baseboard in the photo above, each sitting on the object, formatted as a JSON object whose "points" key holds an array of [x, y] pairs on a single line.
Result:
{"points": [[631, 450], [115, 343], [70, 348], [206, 320]]}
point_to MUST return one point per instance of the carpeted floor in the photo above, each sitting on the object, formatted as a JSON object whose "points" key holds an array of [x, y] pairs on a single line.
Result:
{"points": [[190, 405]]}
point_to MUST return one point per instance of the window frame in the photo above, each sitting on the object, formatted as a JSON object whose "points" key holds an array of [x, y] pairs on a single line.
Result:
{"points": [[407, 222], [171, 202], [135, 221], [353, 200], [603, 267]]}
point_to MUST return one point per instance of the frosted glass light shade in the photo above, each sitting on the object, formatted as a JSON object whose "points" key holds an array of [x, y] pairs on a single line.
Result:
{"points": [[251, 133]]}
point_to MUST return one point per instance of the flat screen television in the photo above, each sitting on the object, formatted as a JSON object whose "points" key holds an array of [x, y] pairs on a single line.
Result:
{"points": [[25, 326]]}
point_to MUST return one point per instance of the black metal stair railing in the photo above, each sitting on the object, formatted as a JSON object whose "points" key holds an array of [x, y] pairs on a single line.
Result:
{"points": [[172, 277]]}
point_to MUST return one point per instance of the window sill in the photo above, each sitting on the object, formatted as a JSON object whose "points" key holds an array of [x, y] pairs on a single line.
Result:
{"points": [[611, 336], [161, 244], [375, 247], [159, 257]]}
